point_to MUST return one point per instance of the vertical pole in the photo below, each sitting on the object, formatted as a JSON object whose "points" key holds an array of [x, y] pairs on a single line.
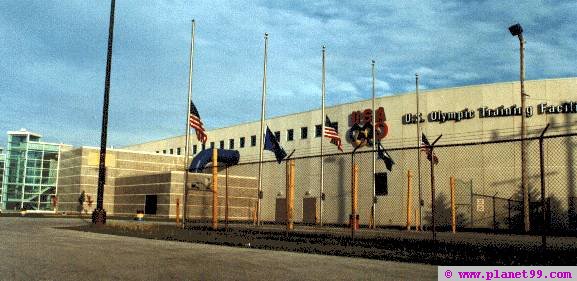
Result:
{"points": [[471, 202], [287, 191], [509, 211], [354, 199], [187, 128], [433, 193], [544, 209], [290, 194], [214, 188], [453, 210], [323, 89], [226, 197], [262, 117], [177, 212], [494, 212], [419, 149], [99, 215], [374, 149], [409, 195], [417, 220], [523, 141]]}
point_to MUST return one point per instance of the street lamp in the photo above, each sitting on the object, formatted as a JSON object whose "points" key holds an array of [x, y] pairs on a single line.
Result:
{"points": [[99, 214], [517, 30]]}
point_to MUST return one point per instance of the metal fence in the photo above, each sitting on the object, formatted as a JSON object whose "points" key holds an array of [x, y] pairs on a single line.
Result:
{"points": [[487, 190]]}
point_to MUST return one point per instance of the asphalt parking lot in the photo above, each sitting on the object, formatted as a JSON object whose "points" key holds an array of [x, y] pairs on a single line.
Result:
{"points": [[38, 249]]}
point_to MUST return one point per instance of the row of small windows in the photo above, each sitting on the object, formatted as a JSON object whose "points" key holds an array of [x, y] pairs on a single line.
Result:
{"points": [[231, 142]]}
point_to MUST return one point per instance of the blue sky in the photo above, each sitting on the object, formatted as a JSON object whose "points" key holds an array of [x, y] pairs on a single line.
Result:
{"points": [[53, 56]]}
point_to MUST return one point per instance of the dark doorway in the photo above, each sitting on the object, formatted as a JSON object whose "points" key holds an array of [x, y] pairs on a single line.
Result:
{"points": [[381, 187], [150, 205]]}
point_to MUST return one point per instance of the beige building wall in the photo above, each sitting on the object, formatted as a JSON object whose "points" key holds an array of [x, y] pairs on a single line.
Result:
{"points": [[79, 172], [550, 91]]}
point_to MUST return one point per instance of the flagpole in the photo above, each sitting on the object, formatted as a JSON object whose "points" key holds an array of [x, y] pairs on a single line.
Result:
{"points": [[323, 89], [419, 149], [187, 139], [374, 146], [262, 117]]}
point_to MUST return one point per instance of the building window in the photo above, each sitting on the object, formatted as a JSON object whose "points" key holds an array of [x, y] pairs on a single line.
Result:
{"points": [[231, 143], [221, 144], [318, 129], [289, 134], [164, 151], [178, 151], [241, 142], [194, 149], [172, 151], [304, 132], [211, 145], [252, 140], [277, 136], [157, 151], [203, 146]]}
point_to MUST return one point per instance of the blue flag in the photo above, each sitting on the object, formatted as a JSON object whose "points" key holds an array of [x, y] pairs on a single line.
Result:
{"points": [[382, 154], [271, 143]]}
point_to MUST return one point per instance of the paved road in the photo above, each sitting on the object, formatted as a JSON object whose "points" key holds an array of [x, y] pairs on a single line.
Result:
{"points": [[32, 249]]}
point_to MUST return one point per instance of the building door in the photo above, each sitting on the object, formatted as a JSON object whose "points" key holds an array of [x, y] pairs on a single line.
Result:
{"points": [[150, 205]]}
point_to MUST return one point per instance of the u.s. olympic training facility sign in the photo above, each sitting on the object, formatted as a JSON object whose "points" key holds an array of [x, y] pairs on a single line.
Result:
{"points": [[486, 112]]}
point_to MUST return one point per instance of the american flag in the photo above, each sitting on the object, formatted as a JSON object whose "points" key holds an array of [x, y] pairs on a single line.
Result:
{"points": [[426, 148], [195, 122], [332, 133]]}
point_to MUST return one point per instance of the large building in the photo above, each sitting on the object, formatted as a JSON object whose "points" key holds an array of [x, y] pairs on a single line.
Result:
{"points": [[479, 149], [486, 170]]}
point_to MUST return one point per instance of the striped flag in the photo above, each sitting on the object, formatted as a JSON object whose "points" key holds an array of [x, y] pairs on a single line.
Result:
{"points": [[332, 133], [195, 122], [426, 148]]}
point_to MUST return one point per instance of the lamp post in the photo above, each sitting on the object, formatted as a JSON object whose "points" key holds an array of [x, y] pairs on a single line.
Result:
{"points": [[517, 30], [99, 214]]}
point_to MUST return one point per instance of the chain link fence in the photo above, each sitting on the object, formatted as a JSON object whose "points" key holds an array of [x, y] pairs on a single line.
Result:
{"points": [[487, 188]]}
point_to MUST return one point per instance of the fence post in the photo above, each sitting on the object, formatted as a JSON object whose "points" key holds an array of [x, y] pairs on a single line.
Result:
{"points": [[409, 177], [494, 211], [509, 209], [432, 146], [542, 171], [417, 220], [433, 194], [214, 188], [226, 197], [354, 199], [471, 203], [290, 185], [453, 211]]}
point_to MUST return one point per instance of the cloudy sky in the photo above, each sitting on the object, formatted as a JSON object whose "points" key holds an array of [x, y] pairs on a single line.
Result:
{"points": [[53, 57]]}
